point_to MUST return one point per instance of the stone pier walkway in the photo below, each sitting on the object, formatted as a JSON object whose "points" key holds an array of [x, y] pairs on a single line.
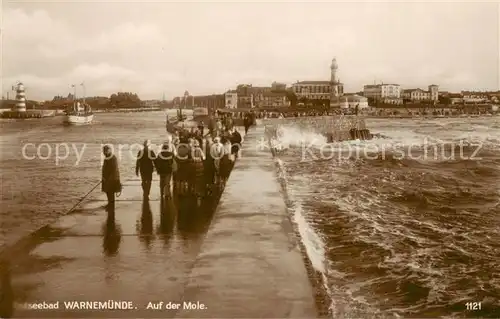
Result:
{"points": [[145, 256], [244, 264]]}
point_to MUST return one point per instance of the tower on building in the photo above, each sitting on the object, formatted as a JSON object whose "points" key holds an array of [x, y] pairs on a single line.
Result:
{"points": [[334, 95], [333, 70], [434, 92], [20, 105]]}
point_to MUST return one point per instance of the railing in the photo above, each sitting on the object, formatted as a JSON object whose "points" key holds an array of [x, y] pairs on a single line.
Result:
{"points": [[73, 113]]}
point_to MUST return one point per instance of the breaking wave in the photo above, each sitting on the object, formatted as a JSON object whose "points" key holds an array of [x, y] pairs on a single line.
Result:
{"points": [[400, 235]]}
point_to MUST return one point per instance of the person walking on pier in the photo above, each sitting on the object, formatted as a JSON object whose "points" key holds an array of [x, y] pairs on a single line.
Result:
{"points": [[235, 142], [228, 122], [110, 182], [198, 169], [209, 164], [247, 122], [216, 153], [182, 176], [218, 126], [145, 165], [165, 165], [226, 163]]}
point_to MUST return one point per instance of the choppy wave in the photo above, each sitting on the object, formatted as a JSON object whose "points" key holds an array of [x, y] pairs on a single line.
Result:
{"points": [[401, 235]]}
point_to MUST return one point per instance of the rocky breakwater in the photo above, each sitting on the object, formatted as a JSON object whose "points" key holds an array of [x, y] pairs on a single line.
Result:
{"points": [[250, 265], [28, 114], [338, 127]]}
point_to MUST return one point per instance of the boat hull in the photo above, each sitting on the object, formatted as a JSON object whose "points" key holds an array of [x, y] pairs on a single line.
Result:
{"points": [[78, 119]]}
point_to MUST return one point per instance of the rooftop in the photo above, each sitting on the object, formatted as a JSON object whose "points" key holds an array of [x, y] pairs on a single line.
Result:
{"points": [[411, 90], [379, 85], [314, 82]]}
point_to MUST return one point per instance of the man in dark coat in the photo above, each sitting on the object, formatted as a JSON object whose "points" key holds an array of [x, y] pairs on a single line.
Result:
{"points": [[145, 165], [110, 176], [247, 122], [235, 142], [164, 164]]}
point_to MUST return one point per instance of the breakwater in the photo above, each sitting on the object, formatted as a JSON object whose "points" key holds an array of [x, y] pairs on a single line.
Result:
{"points": [[247, 262], [250, 264], [334, 128], [28, 114]]}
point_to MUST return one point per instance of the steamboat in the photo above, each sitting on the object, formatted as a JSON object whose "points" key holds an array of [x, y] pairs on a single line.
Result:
{"points": [[78, 113], [181, 121]]}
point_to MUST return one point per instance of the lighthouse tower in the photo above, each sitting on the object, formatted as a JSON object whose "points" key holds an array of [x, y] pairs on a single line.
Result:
{"points": [[20, 98], [334, 95]]}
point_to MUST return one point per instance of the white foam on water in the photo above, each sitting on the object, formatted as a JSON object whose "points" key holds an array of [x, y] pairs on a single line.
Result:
{"points": [[313, 244], [293, 136]]}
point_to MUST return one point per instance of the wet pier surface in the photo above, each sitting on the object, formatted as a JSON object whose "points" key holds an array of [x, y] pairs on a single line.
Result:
{"points": [[144, 256], [173, 255]]}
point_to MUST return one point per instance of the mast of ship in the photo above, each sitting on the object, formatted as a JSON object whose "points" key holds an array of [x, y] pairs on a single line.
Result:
{"points": [[186, 95], [75, 108], [83, 92]]}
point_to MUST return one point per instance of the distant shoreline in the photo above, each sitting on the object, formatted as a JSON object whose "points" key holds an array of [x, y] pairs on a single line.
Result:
{"points": [[429, 116], [131, 110]]}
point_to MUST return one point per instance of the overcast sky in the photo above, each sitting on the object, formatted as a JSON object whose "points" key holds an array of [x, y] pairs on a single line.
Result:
{"points": [[160, 47]]}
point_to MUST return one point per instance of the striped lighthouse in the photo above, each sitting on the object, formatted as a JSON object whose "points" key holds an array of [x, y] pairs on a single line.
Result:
{"points": [[20, 98]]}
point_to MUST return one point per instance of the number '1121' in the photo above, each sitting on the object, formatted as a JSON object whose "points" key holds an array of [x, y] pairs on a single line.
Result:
{"points": [[473, 305]]}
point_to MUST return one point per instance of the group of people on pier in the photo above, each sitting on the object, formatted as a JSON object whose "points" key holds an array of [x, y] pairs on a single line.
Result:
{"points": [[189, 163]]}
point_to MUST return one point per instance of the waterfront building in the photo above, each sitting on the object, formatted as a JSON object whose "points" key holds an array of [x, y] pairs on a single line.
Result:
{"points": [[276, 86], [321, 90], [272, 99], [231, 99], [385, 93], [211, 102], [417, 95], [246, 101], [350, 101], [186, 101], [248, 94], [245, 96], [474, 97]]}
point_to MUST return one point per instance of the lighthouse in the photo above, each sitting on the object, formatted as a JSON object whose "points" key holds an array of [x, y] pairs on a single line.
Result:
{"points": [[334, 91], [20, 98]]}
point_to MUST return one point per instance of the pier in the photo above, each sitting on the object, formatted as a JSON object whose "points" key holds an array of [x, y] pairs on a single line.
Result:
{"points": [[234, 258], [28, 114]]}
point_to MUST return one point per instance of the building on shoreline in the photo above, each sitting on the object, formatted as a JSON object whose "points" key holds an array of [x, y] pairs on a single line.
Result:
{"points": [[276, 86], [417, 95], [330, 90], [272, 99], [384, 93], [474, 97], [351, 101], [231, 99], [211, 102]]}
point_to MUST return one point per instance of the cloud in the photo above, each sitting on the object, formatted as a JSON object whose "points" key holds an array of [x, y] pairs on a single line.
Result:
{"points": [[100, 78], [100, 71], [151, 48], [41, 51]]}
